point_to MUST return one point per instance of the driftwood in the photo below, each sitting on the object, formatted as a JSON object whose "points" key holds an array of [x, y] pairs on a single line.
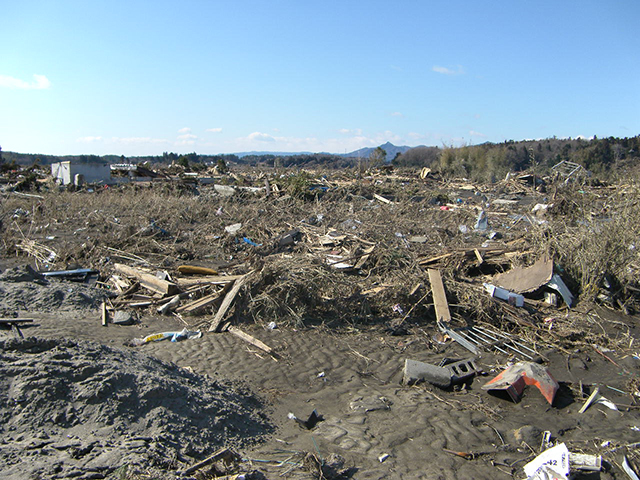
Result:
{"points": [[222, 454], [250, 339]]}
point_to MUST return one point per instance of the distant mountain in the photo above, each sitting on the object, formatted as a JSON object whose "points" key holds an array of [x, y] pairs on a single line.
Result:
{"points": [[280, 154], [388, 147], [391, 149]]}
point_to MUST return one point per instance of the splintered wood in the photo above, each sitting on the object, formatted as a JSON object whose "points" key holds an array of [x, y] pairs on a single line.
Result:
{"points": [[226, 303], [147, 280]]}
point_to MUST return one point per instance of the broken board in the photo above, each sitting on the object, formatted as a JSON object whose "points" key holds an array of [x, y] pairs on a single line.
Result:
{"points": [[439, 296]]}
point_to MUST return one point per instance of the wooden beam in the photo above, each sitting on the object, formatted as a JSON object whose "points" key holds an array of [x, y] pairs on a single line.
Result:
{"points": [[199, 303], [439, 296], [226, 303], [207, 280], [147, 280]]}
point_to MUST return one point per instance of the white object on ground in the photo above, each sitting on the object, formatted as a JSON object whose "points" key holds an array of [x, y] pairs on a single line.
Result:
{"points": [[551, 464]]}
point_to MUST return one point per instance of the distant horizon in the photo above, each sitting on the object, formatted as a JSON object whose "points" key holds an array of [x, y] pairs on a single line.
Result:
{"points": [[270, 152]]}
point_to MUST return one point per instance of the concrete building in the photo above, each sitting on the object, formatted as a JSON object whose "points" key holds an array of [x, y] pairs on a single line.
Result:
{"points": [[66, 173]]}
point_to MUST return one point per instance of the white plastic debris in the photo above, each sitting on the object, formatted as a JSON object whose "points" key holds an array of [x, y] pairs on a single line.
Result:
{"points": [[628, 470], [513, 298], [557, 284], [596, 397], [482, 224], [552, 464], [233, 229]]}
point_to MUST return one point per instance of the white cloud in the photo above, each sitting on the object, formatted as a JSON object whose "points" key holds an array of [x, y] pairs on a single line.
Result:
{"points": [[457, 70], [122, 140], [187, 136], [261, 137], [473, 133], [214, 130], [88, 139], [137, 140], [397, 114], [184, 130], [354, 131], [40, 82]]}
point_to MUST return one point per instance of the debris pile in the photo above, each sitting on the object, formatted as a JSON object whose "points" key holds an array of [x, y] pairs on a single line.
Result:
{"points": [[505, 279]]}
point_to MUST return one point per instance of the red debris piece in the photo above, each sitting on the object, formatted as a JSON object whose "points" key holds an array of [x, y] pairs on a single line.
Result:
{"points": [[514, 379]]}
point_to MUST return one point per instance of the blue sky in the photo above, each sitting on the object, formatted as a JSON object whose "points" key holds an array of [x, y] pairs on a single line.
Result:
{"points": [[140, 77]]}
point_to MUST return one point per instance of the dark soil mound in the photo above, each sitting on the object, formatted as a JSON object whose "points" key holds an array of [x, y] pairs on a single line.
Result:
{"points": [[93, 409]]}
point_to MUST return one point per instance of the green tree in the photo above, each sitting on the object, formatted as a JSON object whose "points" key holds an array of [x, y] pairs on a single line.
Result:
{"points": [[377, 157], [183, 161], [221, 165]]}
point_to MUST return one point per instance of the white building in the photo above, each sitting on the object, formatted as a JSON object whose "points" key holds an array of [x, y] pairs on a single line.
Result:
{"points": [[66, 173]]}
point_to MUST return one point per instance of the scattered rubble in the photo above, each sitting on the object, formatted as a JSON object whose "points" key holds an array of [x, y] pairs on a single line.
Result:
{"points": [[516, 272]]}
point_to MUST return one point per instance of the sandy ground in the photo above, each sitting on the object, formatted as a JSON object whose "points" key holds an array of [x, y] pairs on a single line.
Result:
{"points": [[354, 381]]}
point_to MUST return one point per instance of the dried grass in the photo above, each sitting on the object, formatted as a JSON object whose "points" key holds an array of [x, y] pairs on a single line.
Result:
{"points": [[592, 235]]}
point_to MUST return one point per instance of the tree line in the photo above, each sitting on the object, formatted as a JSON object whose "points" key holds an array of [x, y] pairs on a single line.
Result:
{"points": [[485, 162], [490, 161]]}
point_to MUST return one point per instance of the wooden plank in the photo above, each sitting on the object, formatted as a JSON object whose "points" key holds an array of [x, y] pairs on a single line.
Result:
{"points": [[226, 303], [207, 280], [248, 338], [439, 296], [478, 256], [380, 198], [148, 280], [200, 303], [16, 320], [105, 315]]}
